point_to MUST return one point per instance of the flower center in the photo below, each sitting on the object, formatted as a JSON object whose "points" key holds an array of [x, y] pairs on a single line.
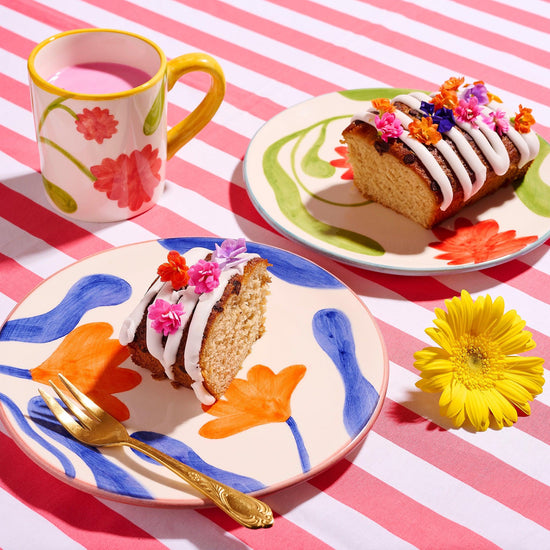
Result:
{"points": [[477, 361]]}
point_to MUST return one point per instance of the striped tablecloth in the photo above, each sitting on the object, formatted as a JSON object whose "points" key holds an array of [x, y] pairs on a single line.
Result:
{"points": [[414, 482]]}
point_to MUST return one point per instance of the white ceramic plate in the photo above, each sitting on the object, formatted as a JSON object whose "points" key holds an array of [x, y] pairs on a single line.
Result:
{"points": [[291, 180], [322, 350]]}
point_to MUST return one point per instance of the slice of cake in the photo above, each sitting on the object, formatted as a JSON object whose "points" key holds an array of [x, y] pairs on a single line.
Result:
{"points": [[427, 156], [197, 322]]}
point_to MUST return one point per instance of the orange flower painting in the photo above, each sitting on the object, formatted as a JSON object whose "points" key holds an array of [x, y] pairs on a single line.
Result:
{"points": [[478, 243], [90, 358], [263, 398]]}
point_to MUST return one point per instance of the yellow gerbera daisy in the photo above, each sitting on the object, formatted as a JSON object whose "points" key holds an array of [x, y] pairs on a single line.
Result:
{"points": [[476, 367]]}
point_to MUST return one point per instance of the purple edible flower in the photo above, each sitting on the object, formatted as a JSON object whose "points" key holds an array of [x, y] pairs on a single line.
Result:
{"points": [[227, 255], [444, 119], [478, 90]]}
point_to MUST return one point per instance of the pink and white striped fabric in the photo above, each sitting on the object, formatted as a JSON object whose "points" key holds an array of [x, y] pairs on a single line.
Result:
{"points": [[413, 483]]}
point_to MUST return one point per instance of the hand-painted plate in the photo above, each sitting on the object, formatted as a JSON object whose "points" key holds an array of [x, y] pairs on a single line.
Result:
{"points": [[298, 178], [318, 378]]}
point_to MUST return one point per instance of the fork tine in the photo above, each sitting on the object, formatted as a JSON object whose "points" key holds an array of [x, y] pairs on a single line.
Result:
{"points": [[65, 419], [92, 408], [84, 419]]}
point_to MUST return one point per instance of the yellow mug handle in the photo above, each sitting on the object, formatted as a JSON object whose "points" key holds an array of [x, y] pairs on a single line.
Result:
{"points": [[195, 121]]}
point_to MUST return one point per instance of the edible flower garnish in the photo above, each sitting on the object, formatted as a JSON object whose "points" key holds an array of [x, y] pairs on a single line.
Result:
{"points": [[442, 117], [227, 255], [165, 317], [383, 105], [476, 365], [477, 90], [424, 130], [497, 121], [204, 276], [388, 126], [524, 120], [447, 99], [468, 110], [452, 84], [175, 270]]}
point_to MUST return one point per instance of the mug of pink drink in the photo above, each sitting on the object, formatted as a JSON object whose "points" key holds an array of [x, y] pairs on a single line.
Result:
{"points": [[99, 105]]}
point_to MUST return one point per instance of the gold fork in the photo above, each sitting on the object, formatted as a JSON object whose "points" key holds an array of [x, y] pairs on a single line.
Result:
{"points": [[98, 428]]}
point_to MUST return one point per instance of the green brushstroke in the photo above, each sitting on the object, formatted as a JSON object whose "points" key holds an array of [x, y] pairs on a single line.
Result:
{"points": [[312, 164], [55, 104], [154, 116], [366, 94], [532, 191], [319, 171], [290, 204], [60, 197], [84, 169]]}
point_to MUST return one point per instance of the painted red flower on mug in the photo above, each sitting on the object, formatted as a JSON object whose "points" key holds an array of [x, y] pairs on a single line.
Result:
{"points": [[343, 162], [470, 243], [129, 179], [98, 124]]}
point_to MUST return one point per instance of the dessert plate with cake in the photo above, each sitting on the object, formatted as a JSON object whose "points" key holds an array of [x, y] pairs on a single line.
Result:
{"points": [[403, 181], [247, 362]]}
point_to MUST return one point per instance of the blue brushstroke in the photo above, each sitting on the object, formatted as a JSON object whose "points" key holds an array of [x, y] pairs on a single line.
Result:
{"points": [[332, 330], [88, 293], [108, 476], [185, 454], [25, 427], [286, 266], [302, 451], [16, 372]]}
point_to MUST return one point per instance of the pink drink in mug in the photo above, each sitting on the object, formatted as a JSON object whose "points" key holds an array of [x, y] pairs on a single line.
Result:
{"points": [[99, 105], [99, 78]]}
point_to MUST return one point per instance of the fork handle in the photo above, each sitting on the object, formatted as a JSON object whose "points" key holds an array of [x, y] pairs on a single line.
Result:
{"points": [[243, 508]]}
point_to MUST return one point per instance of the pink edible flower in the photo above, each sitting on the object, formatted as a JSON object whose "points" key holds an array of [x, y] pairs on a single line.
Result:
{"points": [[497, 121], [388, 125], [165, 317], [204, 276], [468, 110]]}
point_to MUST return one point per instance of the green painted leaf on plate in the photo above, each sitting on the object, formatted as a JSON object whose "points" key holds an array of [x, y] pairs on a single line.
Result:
{"points": [[312, 164], [366, 94], [533, 191]]}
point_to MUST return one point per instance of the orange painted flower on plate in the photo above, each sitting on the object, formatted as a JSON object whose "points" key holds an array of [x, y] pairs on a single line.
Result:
{"points": [[478, 243], [91, 359]]}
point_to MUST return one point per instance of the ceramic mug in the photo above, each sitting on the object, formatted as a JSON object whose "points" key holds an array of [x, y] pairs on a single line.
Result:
{"points": [[99, 105]]}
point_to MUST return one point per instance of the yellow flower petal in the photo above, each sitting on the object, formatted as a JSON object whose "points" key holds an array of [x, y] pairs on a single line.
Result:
{"points": [[477, 410]]}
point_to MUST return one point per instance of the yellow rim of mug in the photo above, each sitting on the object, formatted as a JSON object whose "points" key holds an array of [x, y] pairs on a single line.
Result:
{"points": [[48, 87]]}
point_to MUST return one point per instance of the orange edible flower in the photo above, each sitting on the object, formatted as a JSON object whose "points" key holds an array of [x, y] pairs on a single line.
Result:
{"points": [[383, 105], [447, 99], [263, 398], [424, 130], [175, 270], [452, 84], [524, 120], [493, 97]]}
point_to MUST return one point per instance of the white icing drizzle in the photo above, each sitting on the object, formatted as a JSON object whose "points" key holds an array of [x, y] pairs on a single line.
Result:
{"points": [[198, 324], [197, 308], [487, 140]]}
